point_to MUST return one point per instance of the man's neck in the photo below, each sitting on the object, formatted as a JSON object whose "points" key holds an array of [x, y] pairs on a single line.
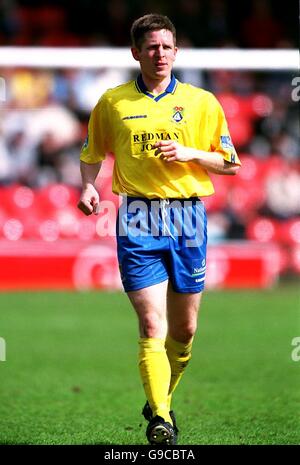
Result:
{"points": [[156, 86]]}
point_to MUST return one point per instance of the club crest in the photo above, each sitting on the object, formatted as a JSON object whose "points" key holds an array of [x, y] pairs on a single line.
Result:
{"points": [[177, 114]]}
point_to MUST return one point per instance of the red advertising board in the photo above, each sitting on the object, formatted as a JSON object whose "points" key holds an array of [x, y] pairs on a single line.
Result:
{"points": [[79, 265]]}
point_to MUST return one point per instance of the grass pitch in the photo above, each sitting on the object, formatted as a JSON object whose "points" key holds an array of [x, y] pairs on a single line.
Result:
{"points": [[71, 375]]}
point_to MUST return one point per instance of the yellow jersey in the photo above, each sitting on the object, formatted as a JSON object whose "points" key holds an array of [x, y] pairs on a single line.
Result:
{"points": [[128, 120]]}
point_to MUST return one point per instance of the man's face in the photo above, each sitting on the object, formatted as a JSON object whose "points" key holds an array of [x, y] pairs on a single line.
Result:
{"points": [[157, 54]]}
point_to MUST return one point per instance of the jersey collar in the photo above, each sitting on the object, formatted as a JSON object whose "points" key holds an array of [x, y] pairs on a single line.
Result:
{"points": [[141, 87]]}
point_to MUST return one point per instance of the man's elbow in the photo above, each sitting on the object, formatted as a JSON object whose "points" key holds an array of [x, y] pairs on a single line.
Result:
{"points": [[231, 168], [234, 170]]}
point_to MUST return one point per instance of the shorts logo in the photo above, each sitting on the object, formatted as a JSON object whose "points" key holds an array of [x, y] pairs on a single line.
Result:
{"points": [[198, 268], [177, 116]]}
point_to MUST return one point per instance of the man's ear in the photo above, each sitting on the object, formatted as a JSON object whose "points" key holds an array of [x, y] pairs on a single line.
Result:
{"points": [[135, 53]]}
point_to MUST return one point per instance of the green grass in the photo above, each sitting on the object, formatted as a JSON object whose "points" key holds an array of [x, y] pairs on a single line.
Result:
{"points": [[71, 374]]}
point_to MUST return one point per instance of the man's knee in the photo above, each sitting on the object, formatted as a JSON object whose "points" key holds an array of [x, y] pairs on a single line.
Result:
{"points": [[153, 325], [184, 333]]}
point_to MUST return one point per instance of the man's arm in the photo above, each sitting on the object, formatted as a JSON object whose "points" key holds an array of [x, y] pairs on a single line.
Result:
{"points": [[211, 161], [89, 199]]}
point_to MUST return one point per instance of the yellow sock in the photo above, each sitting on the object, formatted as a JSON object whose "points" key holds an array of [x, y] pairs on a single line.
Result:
{"points": [[156, 375], [179, 355]]}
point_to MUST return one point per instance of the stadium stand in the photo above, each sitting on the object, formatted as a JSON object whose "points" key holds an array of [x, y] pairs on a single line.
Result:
{"points": [[46, 113]]}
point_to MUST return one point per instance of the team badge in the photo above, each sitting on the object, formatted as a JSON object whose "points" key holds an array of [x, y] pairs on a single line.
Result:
{"points": [[177, 115], [226, 142]]}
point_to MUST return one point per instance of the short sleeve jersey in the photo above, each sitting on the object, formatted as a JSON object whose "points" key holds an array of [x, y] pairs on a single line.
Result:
{"points": [[128, 120]]}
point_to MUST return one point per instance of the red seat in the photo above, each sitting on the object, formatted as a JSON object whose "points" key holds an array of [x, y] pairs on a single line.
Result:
{"points": [[290, 231], [22, 212], [263, 229], [57, 196], [13, 229], [245, 201], [3, 217], [68, 220], [260, 105], [274, 165], [49, 230], [295, 259], [237, 114], [16, 198], [218, 200], [87, 228], [250, 171]]}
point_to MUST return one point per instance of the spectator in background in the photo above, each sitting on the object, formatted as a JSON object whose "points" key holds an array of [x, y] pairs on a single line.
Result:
{"points": [[22, 160], [117, 22], [86, 85], [9, 21], [261, 29], [205, 23], [31, 117], [55, 104], [217, 24], [6, 170], [282, 192], [191, 19]]}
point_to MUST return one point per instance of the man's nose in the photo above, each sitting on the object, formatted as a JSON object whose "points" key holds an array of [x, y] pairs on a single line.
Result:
{"points": [[160, 51]]}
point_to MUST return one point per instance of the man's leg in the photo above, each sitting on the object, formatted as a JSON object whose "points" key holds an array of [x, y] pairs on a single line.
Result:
{"points": [[182, 315], [150, 306]]}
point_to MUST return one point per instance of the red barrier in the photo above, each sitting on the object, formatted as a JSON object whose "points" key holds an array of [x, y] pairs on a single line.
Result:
{"points": [[72, 264], [243, 265]]}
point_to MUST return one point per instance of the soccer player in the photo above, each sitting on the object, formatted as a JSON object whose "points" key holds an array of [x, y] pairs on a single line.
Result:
{"points": [[166, 136]]}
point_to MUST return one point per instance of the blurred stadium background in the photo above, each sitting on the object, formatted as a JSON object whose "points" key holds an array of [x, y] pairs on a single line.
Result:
{"points": [[254, 225], [254, 221]]}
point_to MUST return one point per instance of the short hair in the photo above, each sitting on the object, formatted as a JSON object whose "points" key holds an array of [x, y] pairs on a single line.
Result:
{"points": [[147, 23]]}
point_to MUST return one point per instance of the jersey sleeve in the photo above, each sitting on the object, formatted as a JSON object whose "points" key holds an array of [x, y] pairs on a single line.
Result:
{"points": [[220, 140], [98, 141]]}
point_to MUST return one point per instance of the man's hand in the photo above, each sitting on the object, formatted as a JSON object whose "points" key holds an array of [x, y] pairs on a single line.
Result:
{"points": [[169, 150], [89, 201]]}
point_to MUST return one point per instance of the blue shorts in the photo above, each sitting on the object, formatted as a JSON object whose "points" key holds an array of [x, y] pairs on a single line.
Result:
{"points": [[162, 239]]}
